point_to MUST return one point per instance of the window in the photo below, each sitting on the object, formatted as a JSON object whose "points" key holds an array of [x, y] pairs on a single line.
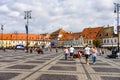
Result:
{"points": [[89, 42], [115, 40], [107, 41], [104, 41], [107, 34], [111, 40]]}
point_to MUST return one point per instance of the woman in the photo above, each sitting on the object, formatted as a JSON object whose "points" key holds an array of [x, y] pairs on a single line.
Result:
{"points": [[79, 54], [66, 52], [94, 54]]}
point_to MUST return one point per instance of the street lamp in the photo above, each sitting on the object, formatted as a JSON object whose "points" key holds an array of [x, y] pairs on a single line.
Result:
{"points": [[2, 35], [27, 17], [116, 10]]}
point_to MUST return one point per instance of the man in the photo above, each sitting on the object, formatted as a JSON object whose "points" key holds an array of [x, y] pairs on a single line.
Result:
{"points": [[87, 54], [71, 52]]}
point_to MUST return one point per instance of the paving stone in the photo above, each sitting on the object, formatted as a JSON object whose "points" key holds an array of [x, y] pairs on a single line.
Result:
{"points": [[101, 64], [66, 63], [22, 67], [66, 60], [7, 60], [97, 61], [57, 77], [65, 68], [19, 58], [35, 62], [116, 60], [43, 59], [103, 69], [7, 76], [110, 78]]}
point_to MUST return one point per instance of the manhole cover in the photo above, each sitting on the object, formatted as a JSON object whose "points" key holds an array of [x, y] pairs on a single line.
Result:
{"points": [[7, 76], [66, 63], [103, 69], [65, 68], [35, 62], [110, 78], [22, 67], [57, 77]]}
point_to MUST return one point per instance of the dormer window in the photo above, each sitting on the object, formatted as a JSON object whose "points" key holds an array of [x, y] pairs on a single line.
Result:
{"points": [[106, 34]]}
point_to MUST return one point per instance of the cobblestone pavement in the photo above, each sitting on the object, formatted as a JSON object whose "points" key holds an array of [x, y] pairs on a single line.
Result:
{"points": [[52, 66]]}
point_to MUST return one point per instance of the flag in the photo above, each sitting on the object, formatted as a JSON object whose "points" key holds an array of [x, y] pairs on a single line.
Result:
{"points": [[1, 27], [115, 26], [26, 27]]}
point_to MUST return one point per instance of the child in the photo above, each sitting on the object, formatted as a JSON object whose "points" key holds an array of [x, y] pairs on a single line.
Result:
{"points": [[79, 54]]}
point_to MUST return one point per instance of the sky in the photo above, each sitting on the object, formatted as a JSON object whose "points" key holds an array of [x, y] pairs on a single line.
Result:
{"points": [[50, 15]]}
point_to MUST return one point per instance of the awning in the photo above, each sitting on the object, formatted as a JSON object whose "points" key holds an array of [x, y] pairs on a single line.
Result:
{"points": [[109, 45]]}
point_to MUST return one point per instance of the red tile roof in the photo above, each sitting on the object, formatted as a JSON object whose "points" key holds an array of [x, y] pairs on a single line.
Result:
{"points": [[90, 33]]}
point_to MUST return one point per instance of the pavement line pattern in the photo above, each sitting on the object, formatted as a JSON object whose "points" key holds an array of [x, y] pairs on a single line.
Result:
{"points": [[41, 67], [86, 72]]}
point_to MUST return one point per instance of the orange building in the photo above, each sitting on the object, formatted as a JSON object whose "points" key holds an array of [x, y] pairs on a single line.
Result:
{"points": [[89, 34], [12, 39]]}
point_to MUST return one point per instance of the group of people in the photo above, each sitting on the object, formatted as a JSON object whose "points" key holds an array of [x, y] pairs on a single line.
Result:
{"points": [[87, 52], [66, 53]]}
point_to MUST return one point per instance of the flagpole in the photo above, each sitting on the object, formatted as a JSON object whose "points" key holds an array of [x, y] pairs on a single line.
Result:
{"points": [[2, 35], [117, 6], [27, 17]]}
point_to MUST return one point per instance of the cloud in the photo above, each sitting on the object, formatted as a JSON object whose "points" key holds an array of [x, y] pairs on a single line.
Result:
{"points": [[49, 15]]}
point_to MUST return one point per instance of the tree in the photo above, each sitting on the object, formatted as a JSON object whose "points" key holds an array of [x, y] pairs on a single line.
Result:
{"points": [[97, 42]]}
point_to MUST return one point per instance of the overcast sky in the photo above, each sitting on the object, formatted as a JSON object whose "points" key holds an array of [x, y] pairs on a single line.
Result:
{"points": [[50, 15]]}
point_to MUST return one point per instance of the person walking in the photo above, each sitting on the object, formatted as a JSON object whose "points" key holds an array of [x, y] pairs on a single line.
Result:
{"points": [[71, 52], [66, 52], [87, 54], [94, 54], [31, 50], [79, 55]]}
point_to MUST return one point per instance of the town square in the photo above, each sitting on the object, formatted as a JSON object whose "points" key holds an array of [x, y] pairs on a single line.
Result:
{"points": [[59, 40]]}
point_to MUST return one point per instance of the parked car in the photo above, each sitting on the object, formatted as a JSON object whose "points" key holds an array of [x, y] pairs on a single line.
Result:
{"points": [[20, 46]]}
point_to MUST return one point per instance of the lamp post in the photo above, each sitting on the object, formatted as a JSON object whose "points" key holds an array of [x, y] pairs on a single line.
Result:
{"points": [[16, 37], [2, 35], [116, 10], [27, 17]]}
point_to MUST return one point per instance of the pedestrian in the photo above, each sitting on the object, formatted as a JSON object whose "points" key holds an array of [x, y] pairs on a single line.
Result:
{"points": [[66, 52], [103, 51], [100, 52], [31, 50], [71, 52], [4, 49], [94, 54], [79, 54], [87, 54], [38, 50], [56, 50]]}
